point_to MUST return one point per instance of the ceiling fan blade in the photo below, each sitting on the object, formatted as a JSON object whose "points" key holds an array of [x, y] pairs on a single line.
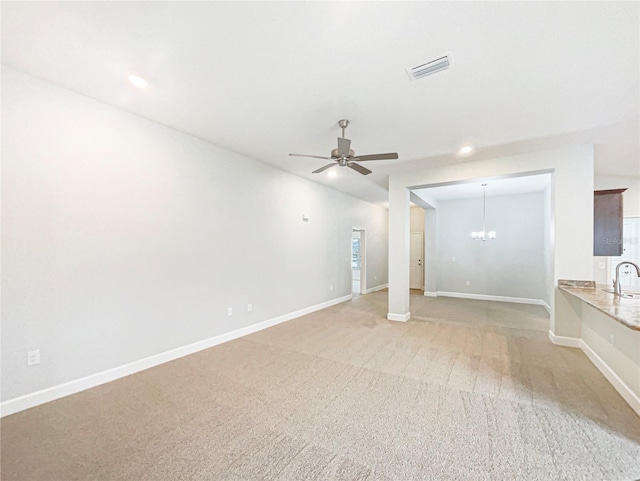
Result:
{"points": [[343, 146], [311, 156], [359, 168], [322, 169], [364, 158]]}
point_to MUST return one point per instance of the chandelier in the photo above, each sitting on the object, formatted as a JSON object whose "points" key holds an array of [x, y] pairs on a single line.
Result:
{"points": [[483, 235]]}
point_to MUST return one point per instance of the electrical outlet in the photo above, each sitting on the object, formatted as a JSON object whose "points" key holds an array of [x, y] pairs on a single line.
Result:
{"points": [[453, 259], [375, 278], [611, 338], [600, 265], [330, 288], [249, 308], [468, 283], [33, 357], [229, 311]]}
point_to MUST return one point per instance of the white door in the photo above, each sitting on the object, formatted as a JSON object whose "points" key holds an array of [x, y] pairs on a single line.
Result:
{"points": [[416, 265]]}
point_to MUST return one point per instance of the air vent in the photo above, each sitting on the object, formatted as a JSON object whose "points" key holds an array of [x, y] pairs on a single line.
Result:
{"points": [[432, 66]]}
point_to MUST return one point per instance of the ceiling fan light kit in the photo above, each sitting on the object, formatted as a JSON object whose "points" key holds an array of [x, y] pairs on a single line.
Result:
{"points": [[344, 156]]}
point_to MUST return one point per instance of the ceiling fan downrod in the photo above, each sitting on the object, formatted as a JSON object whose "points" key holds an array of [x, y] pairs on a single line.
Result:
{"points": [[343, 124]]}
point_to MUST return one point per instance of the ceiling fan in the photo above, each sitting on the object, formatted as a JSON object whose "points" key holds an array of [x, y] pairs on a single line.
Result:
{"points": [[345, 157]]}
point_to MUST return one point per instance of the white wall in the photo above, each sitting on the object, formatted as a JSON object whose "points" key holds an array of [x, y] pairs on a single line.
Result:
{"points": [[431, 252], [512, 265], [548, 239], [572, 216], [122, 238]]}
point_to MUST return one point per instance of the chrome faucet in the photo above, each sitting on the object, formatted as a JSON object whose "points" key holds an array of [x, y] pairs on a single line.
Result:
{"points": [[616, 282]]}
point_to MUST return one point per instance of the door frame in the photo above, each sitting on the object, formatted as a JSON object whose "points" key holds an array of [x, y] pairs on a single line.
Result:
{"points": [[363, 257]]}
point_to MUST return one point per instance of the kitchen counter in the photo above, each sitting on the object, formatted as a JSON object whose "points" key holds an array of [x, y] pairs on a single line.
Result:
{"points": [[624, 310]]}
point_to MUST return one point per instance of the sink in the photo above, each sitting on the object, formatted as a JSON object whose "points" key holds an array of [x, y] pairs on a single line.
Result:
{"points": [[625, 294]]}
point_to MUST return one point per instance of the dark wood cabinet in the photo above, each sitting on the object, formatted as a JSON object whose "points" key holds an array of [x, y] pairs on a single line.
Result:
{"points": [[607, 222]]}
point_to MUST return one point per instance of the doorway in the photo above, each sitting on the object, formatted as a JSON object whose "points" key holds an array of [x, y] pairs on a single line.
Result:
{"points": [[416, 256], [358, 258]]}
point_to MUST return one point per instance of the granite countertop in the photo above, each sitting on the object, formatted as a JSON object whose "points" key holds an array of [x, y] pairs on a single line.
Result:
{"points": [[624, 310]]}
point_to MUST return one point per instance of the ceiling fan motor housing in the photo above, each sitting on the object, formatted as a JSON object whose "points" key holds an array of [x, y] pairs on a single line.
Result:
{"points": [[336, 155]]}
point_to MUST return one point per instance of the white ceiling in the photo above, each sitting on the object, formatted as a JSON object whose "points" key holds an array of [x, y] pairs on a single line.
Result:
{"points": [[268, 78], [502, 186]]}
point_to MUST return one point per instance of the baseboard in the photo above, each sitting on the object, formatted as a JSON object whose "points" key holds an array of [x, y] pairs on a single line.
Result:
{"points": [[484, 297], [565, 341], [430, 294], [30, 400], [399, 317], [619, 385], [627, 394], [376, 288]]}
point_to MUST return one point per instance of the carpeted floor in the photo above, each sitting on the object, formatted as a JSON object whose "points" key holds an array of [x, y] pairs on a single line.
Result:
{"points": [[456, 394]]}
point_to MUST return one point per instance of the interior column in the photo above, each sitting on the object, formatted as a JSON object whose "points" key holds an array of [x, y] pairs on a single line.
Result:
{"points": [[399, 226]]}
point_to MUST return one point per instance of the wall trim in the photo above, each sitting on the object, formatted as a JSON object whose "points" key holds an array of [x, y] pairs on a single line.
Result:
{"points": [[376, 288], [430, 294], [399, 317], [619, 385], [485, 297], [36, 398], [565, 341], [625, 391]]}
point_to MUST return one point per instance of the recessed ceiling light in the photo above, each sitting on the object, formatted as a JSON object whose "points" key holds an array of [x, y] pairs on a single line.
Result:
{"points": [[138, 81], [332, 173], [467, 149]]}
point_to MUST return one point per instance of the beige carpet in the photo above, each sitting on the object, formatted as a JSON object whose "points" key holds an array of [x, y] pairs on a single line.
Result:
{"points": [[345, 394]]}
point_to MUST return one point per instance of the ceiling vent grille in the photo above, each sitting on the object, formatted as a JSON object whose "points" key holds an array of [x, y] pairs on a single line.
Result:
{"points": [[432, 66]]}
